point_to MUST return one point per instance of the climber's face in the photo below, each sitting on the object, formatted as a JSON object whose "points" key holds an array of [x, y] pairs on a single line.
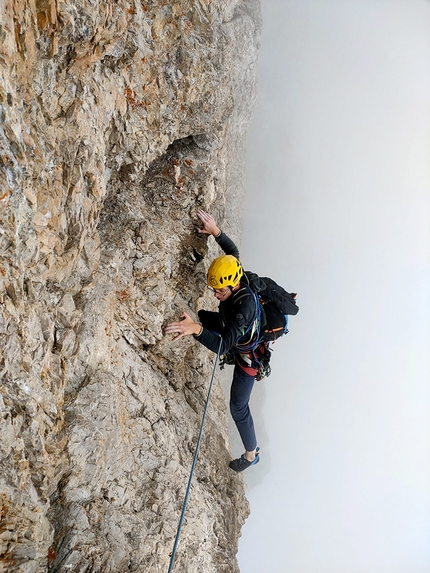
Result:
{"points": [[222, 294]]}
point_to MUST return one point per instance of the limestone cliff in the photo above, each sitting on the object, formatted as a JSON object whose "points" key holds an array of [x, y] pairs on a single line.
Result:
{"points": [[119, 119]]}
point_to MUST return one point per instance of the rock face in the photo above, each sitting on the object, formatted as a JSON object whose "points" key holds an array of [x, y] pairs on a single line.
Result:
{"points": [[118, 121]]}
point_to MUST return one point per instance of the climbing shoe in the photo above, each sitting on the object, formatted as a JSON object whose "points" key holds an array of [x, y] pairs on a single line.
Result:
{"points": [[242, 463]]}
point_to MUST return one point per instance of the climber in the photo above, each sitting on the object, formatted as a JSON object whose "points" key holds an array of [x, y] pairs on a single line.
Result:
{"points": [[235, 318]]}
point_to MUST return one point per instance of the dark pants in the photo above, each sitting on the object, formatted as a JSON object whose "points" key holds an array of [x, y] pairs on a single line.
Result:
{"points": [[240, 393]]}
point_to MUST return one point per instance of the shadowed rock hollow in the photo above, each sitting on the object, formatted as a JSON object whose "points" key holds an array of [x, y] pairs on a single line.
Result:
{"points": [[118, 121]]}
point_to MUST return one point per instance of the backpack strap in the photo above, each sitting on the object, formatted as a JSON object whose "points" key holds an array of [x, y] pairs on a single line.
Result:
{"points": [[250, 339]]}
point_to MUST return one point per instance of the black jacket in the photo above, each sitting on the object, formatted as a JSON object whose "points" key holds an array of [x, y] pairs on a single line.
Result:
{"points": [[235, 314]]}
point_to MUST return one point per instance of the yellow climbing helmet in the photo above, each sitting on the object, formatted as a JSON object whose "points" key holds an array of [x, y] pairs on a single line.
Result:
{"points": [[224, 271]]}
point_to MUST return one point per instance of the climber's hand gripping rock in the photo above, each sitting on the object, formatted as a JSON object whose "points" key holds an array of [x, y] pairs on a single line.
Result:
{"points": [[184, 327]]}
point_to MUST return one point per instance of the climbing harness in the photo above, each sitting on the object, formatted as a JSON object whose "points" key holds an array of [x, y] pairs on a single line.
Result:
{"points": [[196, 453], [251, 347]]}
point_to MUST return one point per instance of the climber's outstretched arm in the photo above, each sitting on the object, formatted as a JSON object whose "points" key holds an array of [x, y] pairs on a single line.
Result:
{"points": [[211, 228]]}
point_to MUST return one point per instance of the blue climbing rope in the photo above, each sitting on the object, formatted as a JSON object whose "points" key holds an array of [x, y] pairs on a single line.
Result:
{"points": [[196, 453]]}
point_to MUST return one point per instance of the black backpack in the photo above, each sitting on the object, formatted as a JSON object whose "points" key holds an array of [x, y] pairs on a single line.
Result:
{"points": [[276, 304]]}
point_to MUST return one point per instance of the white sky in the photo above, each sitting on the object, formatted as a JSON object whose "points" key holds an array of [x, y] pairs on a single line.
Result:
{"points": [[339, 198]]}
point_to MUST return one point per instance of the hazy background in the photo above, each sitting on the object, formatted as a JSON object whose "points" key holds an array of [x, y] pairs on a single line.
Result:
{"points": [[338, 209]]}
